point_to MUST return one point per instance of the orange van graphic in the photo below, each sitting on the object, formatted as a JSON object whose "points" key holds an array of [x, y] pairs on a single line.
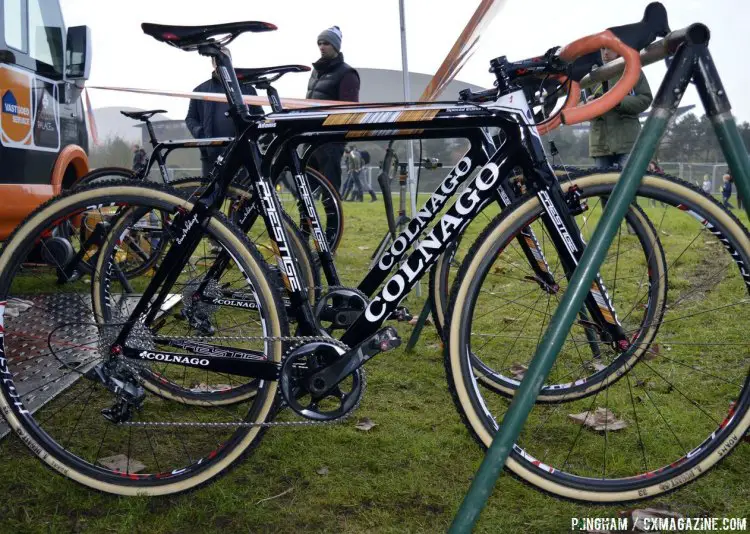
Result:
{"points": [[15, 88]]}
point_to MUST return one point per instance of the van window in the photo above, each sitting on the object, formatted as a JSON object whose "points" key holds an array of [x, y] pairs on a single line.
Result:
{"points": [[46, 36], [14, 16]]}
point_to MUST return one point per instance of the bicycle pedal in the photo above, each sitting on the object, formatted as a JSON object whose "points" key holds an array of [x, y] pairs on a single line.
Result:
{"points": [[401, 314], [385, 340]]}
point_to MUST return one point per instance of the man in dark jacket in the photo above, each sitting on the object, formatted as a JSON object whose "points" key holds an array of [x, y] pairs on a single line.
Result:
{"points": [[140, 158], [208, 119], [613, 134], [331, 79]]}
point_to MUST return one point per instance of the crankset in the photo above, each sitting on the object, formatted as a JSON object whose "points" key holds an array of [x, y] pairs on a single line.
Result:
{"points": [[320, 372], [309, 358]]}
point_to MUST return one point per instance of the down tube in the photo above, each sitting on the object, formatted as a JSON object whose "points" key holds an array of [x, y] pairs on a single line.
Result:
{"points": [[473, 158], [482, 188]]}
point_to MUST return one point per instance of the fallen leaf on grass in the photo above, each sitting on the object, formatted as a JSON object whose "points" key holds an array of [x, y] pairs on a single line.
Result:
{"points": [[653, 352], [365, 424], [122, 463], [518, 370], [275, 496], [323, 471], [600, 420], [413, 321]]}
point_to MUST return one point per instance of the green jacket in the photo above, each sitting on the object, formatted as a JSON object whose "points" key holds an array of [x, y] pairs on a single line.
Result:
{"points": [[615, 131]]}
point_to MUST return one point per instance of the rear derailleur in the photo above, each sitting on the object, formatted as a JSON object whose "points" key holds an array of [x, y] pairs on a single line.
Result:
{"points": [[121, 380]]}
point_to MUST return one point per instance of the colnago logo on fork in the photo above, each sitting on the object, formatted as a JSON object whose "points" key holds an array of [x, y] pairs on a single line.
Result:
{"points": [[598, 289]]}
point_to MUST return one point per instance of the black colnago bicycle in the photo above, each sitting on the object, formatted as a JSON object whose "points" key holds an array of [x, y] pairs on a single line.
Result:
{"points": [[181, 445], [340, 305]]}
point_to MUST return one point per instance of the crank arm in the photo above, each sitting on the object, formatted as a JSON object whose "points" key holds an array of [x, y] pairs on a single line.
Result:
{"points": [[321, 383]]}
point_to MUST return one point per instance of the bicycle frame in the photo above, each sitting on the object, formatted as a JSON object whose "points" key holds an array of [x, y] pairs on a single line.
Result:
{"points": [[522, 148]]}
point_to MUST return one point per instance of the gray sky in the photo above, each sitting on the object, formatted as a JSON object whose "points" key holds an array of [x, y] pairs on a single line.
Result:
{"points": [[124, 56]]}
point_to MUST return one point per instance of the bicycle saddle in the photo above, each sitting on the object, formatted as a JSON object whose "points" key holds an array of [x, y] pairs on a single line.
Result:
{"points": [[142, 115], [267, 74], [193, 36]]}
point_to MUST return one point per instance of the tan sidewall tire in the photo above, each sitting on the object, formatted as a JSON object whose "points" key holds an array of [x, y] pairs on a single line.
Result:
{"points": [[474, 419], [262, 288]]}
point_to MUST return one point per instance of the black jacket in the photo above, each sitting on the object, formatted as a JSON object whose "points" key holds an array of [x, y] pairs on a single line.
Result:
{"points": [[207, 119], [325, 81]]}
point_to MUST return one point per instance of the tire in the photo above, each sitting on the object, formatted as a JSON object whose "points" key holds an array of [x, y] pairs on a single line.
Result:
{"points": [[690, 393], [69, 433], [78, 234], [444, 271], [106, 173], [330, 207]]}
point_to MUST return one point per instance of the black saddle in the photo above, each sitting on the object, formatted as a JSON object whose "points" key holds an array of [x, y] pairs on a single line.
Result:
{"points": [[142, 115], [190, 37], [267, 74]]}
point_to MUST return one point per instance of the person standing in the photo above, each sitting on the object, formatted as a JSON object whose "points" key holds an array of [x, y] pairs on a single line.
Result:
{"points": [[726, 191], [706, 186], [331, 79], [140, 158], [210, 119], [613, 134]]}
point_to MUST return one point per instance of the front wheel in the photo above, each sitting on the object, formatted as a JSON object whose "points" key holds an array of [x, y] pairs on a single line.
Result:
{"points": [[659, 416]]}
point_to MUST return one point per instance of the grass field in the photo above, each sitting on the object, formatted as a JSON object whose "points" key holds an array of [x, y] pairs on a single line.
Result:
{"points": [[408, 473]]}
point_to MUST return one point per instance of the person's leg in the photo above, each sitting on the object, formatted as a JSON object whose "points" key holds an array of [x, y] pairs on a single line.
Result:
{"points": [[357, 187], [327, 160], [373, 196], [344, 187]]}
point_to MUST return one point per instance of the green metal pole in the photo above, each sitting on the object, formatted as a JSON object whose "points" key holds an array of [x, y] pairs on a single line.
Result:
{"points": [[565, 315], [736, 154], [716, 102], [423, 315]]}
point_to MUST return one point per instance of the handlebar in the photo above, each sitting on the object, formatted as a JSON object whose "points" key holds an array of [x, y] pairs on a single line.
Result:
{"points": [[593, 43], [654, 52]]}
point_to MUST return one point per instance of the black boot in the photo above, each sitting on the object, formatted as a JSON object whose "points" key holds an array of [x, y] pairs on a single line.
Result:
{"points": [[373, 198]]}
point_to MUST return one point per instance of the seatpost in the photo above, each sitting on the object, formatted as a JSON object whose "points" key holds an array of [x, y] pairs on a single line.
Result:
{"points": [[151, 133], [237, 107], [273, 95]]}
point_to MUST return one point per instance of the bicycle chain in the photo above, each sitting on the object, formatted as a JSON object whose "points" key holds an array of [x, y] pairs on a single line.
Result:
{"points": [[300, 341]]}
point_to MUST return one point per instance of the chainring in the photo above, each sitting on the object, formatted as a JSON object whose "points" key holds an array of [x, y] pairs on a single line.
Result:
{"points": [[306, 359]]}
